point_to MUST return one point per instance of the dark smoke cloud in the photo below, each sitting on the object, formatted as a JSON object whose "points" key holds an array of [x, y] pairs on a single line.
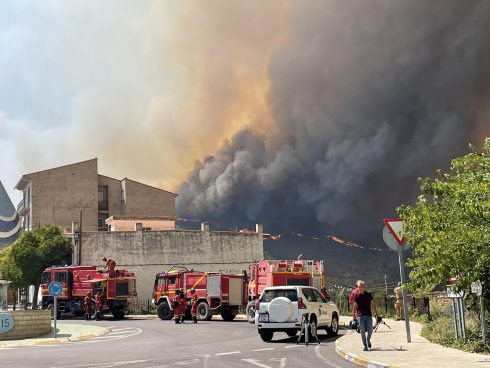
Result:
{"points": [[367, 96]]}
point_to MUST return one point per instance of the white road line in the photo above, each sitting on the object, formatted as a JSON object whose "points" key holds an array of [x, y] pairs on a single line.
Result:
{"points": [[122, 329], [254, 362], [187, 362], [282, 361], [229, 353], [325, 360], [263, 349], [291, 346], [108, 364], [118, 332], [105, 337]]}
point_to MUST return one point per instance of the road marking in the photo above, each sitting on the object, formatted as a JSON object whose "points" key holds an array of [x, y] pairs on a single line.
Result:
{"points": [[256, 363], [108, 364], [187, 362], [325, 360], [229, 353], [291, 346], [264, 349], [281, 360]]}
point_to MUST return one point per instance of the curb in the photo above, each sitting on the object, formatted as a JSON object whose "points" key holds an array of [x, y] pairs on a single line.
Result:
{"points": [[51, 341], [353, 358]]}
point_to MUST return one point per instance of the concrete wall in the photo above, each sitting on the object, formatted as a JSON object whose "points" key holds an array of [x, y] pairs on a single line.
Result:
{"points": [[59, 194], [114, 194], [29, 323], [150, 252], [129, 223]]}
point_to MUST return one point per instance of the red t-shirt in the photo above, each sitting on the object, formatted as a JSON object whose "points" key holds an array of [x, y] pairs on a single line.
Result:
{"points": [[353, 295], [363, 304]]}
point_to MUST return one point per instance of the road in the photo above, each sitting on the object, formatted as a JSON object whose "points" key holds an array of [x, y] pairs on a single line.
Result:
{"points": [[163, 344]]}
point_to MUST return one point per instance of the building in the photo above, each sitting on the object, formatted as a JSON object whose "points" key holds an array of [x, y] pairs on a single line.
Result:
{"points": [[78, 193], [10, 225]]}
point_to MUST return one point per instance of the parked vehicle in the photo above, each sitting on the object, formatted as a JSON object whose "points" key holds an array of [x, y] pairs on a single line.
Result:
{"points": [[78, 280], [222, 293], [281, 309], [217, 293], [267, 273]]}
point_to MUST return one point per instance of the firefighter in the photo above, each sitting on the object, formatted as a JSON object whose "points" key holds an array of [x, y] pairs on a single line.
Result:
{"points": [[194, 305], [87, 301], [177, 306], [110, 266], [98, 305], [325, 293], [183, 305]]}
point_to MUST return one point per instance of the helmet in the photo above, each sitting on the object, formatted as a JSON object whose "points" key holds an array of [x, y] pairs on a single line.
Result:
{"points": [[353, 324], [104, 259], [192, 290]]}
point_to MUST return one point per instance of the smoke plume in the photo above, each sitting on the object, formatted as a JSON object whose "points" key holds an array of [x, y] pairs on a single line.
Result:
{"points": [[365, 97]]}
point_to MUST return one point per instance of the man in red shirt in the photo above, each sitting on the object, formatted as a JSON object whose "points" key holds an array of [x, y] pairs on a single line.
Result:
{"points": [[87, 303], [98, 304], [110, 266], [352, 297], [363, 305]]}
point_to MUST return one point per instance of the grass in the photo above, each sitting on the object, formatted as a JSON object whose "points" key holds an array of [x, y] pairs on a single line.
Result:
{"points": [[440, 330]]}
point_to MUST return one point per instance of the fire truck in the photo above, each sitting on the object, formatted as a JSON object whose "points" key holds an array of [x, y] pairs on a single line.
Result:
{"points": [[224, 294], [78, 280], [217, 293], [268, 273]]}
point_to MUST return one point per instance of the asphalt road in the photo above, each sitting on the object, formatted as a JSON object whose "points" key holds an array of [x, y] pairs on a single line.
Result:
{"points": [[162, 344]]}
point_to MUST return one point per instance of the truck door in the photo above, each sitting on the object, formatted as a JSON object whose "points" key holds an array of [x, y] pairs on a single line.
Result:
{"points": [[62, 276]]}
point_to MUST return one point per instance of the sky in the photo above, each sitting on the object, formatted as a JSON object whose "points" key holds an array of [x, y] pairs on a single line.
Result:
{"points": [[313, 116]]}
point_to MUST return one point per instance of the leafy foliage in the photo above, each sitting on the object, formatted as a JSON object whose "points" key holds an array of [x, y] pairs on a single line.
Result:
{"points": [[448, 226], [25, 260]]}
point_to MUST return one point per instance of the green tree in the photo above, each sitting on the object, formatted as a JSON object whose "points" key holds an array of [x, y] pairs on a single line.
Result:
{"points": [[448, 226], [32, 253], [9, 271]]}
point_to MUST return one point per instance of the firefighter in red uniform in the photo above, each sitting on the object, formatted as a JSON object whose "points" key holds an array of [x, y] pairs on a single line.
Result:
{"points": [[177, 305], [110, 266], [87, 301], [98, 305], [194, 305], [183, 305]]}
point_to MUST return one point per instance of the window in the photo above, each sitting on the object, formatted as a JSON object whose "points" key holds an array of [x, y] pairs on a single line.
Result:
{"points": [[60, 277], [160, 281], [171, 280], [122, 289], [45, 278], [308, 293], [319, 297], [291, 294]]}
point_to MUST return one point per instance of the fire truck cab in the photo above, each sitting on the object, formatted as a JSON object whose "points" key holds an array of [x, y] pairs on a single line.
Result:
{"points": [[217, 293], [267, 273], [78, 280]]}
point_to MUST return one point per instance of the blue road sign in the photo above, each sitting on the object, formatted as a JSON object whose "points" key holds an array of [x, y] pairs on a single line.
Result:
{"points": [[55, 288], [6, 322]]}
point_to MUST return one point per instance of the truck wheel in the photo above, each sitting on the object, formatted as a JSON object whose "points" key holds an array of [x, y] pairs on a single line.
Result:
{"points": [[119, 314], [228, 315], [250, 312], [334, 326], [93, 313], [266, 335], [164, 312], [203, 312]]}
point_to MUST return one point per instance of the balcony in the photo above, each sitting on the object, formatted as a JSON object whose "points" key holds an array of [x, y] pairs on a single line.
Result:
{"points": [[22, 209], [103, 206]]}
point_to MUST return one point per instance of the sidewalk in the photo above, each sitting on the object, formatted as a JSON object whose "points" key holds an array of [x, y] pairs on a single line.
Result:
{"points": [[391, 349], [65, 332]]}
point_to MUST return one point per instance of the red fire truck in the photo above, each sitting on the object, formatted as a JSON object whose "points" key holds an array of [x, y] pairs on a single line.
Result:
{"points": [[225, 293], [216, 292], [78, 280], [268, 273]]}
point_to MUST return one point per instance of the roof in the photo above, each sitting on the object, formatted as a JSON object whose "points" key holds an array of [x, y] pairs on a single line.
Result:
{"points": [[146, 185]]}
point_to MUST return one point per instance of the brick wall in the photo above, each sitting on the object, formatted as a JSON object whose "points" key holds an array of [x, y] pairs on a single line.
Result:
{"points": [[29, 323]]}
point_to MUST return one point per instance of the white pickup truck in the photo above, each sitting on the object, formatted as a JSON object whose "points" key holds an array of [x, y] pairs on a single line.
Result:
{"points": [[281, 309]]}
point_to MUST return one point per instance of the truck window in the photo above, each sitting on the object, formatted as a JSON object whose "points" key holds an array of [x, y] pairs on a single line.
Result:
{"points": [[60, 276], [46, 278], [160, 281], [171, 280]]}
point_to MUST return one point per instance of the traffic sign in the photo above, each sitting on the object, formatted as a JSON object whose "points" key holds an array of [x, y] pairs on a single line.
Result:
{"points": [[391, 242], [6, 322], [55, 288], [396, 229], [476, 288]]}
